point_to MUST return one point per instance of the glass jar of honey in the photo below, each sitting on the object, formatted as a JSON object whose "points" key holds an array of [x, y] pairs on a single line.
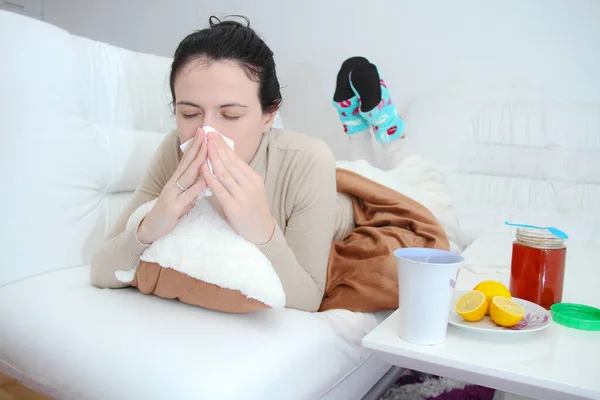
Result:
{"points": [[537, 269]]}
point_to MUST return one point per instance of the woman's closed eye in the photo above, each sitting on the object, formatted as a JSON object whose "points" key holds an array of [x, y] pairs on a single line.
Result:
{"points": [[227, 117]]}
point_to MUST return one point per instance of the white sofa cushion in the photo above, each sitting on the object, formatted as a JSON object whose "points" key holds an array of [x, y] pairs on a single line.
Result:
{"points": [[70, 340]]}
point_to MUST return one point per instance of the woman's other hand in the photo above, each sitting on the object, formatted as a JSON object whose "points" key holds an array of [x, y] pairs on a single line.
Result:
{"points": [[240, 191], [178, 195]]}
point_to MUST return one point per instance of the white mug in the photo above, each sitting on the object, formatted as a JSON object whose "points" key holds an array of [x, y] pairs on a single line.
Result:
{"points": [[426, 279]]}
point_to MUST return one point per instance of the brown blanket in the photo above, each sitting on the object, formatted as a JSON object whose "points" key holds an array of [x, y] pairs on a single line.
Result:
{"points": [[362, 273]]}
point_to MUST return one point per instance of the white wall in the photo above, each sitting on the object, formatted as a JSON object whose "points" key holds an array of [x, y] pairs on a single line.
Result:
{"points": [[546, 49]]}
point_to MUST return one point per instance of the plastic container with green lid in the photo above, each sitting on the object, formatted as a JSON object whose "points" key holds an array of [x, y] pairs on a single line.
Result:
{"points": [[577, 316]]}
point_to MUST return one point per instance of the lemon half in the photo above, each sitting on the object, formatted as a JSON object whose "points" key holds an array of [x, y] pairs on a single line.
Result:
{"points": [[492, 289], [506, 312], [471, 306]]}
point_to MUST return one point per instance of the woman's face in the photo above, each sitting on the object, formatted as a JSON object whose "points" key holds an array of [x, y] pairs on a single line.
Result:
{"points": [[220, 94]]}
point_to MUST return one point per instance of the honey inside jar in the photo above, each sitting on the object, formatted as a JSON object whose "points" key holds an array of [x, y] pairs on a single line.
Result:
{"points": [[538, 267]]}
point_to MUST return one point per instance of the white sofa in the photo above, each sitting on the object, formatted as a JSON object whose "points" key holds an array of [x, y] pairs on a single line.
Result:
{"points": [[79, 121]]}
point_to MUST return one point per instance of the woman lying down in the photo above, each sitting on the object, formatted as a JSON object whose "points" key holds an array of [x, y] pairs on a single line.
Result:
{"points": [[315, 237]]}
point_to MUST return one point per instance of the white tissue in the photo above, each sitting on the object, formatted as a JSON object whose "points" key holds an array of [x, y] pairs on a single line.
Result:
{"points": [[207, 129]]}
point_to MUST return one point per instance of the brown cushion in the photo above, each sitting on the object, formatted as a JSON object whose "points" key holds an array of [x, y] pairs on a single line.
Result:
{"points": [[168, 283]]}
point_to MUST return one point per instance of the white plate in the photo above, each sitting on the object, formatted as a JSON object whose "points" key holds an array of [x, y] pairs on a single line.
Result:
{"points": [[536, 318]]}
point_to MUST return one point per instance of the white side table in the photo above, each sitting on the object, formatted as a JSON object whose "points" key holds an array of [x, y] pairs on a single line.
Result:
{"points": [[555, 363]]}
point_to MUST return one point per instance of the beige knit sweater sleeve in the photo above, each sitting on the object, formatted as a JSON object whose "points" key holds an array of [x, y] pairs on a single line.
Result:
{"points": [[299, 250]]}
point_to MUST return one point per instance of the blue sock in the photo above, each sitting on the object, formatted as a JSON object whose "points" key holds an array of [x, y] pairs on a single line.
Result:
{"points": [[349, 113], [376, 105]]}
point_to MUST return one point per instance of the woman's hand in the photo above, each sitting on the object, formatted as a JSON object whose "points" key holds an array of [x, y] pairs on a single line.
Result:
{"points": [[178, 195], [240, 191]]}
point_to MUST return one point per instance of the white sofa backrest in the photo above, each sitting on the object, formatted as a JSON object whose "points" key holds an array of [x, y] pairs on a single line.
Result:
{"points": [[528, 162], [79, 121]]}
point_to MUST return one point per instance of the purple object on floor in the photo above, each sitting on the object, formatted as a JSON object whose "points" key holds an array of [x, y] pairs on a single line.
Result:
{"points": [[469, 392], [419, 386]]}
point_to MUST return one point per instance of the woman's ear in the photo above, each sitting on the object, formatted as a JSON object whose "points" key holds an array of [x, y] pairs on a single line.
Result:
{"points": [[268, 120]]}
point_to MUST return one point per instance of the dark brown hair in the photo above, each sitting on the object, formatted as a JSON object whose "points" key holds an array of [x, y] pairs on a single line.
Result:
{"points": [[231, 40]]}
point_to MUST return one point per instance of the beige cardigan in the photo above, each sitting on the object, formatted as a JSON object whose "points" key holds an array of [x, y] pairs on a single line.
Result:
{"points": [[300, 182]]}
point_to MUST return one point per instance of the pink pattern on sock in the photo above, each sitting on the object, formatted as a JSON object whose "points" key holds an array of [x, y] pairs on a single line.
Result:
{"points": [[392, 130], [345, 103], [355, 111], [381, 104]]}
